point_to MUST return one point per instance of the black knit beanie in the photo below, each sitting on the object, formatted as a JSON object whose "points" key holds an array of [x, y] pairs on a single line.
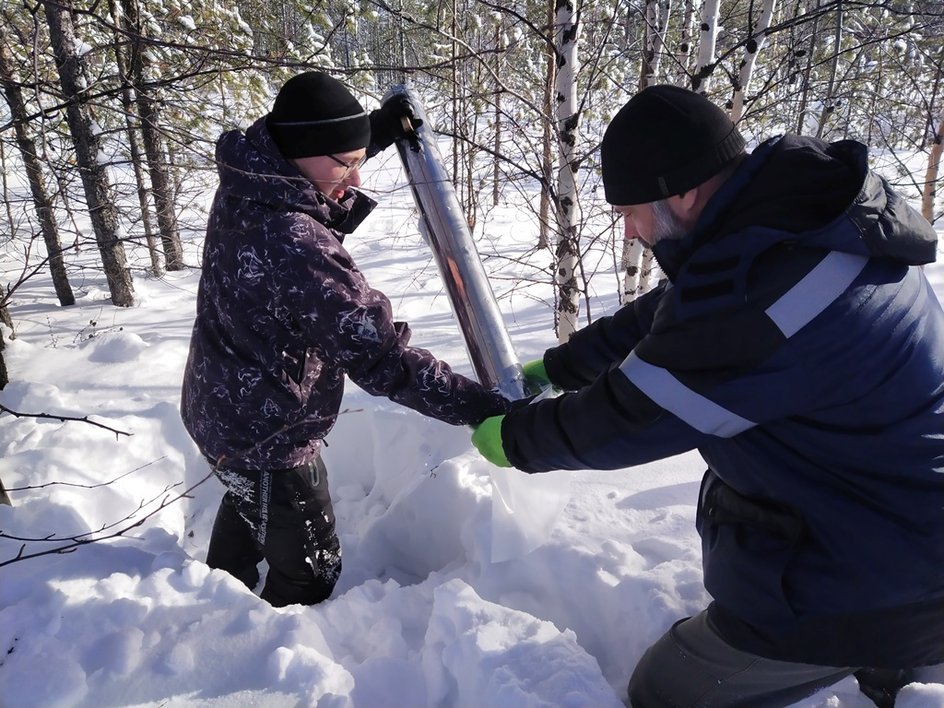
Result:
{"points": [[314, 114], [665, 141]]}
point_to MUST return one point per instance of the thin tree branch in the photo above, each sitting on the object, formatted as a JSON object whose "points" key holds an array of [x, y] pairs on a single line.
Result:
{"points": [[63, 419]]}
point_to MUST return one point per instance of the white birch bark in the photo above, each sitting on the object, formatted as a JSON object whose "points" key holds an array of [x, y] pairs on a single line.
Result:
{"points": [[637, 260], [756, 42], [657, 19], [683, 53], [635, 255], [929, 194], [706, 45], [568, 208], [830, 103], [547, 136]]}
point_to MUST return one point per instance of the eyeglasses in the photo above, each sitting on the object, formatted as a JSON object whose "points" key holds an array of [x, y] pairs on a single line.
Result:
{"points": [[349, 167]]}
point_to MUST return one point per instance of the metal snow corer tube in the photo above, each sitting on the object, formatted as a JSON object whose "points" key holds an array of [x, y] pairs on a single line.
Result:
{"points": [[444, 228]]}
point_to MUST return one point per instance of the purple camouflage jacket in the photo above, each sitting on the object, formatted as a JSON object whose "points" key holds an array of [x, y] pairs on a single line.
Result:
{"points": [[283, 314]]}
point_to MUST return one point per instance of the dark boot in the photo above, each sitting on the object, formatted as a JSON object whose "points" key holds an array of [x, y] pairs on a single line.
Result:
{"points": [[300, 589], [233, 547], [882, 685]]}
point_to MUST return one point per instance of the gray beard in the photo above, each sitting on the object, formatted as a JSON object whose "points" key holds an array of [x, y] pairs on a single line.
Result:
{"points": [[666, 224]]}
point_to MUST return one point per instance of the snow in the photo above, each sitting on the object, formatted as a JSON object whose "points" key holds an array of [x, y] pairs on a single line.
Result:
{"points": [[463, 585]]}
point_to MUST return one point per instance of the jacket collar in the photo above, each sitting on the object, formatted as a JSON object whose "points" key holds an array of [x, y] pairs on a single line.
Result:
{"points": [[673, 255], [251, 167]]}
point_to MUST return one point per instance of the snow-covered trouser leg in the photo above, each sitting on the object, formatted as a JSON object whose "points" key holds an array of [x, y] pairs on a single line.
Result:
{"points": [[691, 666], [291, 520], [233, 545]]}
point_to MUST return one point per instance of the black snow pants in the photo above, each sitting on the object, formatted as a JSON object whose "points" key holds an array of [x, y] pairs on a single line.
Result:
{"points": [[284, 516]]}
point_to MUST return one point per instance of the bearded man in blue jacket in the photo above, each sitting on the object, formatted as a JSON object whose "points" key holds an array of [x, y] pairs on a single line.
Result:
{"points": [[798, 346]]}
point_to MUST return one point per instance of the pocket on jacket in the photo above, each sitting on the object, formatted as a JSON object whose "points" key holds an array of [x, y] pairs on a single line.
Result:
{"points": [[747, 547], [293, 365], [300, 371]]}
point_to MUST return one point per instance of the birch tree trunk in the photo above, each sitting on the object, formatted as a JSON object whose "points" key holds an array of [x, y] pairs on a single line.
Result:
{"points": [[4, 376], [638, 265], [547, 141], [637, 261], [756, 42], [99, 191], [828, 102], [656, 22], [149, 113], [706, 46], [34, 173], [497, 135], [929, 193], [683, 53], [812, 6], [455, 101], [568, 118]]}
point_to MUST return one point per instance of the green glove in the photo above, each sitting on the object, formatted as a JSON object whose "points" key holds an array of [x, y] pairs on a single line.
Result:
{"points": [[487, 440], [536, 375]]}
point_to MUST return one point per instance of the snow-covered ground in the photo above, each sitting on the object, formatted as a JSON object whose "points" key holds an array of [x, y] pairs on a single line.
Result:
{"points": [[451, 595]]}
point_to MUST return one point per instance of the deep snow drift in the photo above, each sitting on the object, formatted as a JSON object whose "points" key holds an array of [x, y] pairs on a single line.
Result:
{"points": [[450, 595]]}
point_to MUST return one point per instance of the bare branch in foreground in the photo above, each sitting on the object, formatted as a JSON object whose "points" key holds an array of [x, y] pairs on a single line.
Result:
{"points": [[63, 419]]}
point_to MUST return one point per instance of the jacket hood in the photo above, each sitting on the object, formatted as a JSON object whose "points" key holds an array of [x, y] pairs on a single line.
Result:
{"points": [[811, 193], [251, 168]]}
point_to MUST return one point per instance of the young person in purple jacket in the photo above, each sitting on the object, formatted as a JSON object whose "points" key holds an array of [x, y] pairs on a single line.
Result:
{"points": [[798, 346], [283, 314]]}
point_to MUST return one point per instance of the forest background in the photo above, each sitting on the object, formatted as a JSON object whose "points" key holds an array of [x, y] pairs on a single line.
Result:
{"points": [[110, 114], [112, 109]]}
